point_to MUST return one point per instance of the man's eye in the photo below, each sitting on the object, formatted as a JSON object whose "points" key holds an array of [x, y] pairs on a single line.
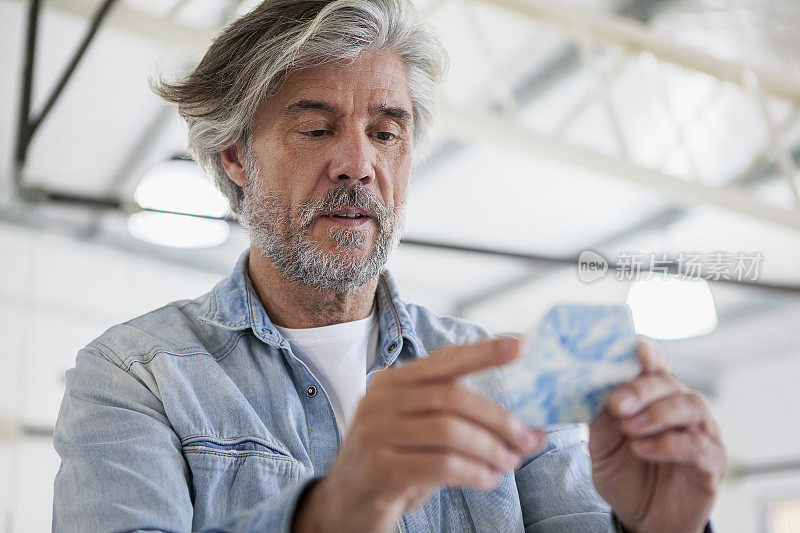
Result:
{"points": [[316, 133], [385, 136]]}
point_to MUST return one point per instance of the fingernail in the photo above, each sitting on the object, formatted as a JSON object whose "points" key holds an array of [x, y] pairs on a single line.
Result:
{"points": [[627, 403], [508, 345]]}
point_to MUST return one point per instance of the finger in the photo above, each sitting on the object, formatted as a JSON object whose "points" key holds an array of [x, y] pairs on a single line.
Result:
{"points": [[679, 411], [456, 361], [633, 396], [694, 448], [651, 356], [454, 435], [605, 437], [437, 468], [454, 399]]}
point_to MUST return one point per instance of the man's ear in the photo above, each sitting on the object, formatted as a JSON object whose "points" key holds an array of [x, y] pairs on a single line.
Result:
{"points": [[233, 163]]}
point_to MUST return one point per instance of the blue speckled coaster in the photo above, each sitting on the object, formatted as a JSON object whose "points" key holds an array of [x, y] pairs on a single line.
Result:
{"points": [[575, 357]]}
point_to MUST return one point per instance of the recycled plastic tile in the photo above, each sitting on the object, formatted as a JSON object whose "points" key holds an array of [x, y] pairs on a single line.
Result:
{"points": [[576, 356]]}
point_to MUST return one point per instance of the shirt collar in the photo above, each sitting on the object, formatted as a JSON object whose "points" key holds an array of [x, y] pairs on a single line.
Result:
{"points": [[234, 305]]}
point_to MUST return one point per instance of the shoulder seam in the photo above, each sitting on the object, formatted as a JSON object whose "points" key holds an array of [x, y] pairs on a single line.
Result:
{"points": [[101, 348], [144, 358], [97, 347]]}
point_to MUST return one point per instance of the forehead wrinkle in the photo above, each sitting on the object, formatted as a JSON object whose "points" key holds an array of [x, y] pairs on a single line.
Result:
{"points": [[336, 91]]}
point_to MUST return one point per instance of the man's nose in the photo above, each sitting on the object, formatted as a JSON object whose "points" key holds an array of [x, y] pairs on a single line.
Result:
{"points": [[352, 158]]}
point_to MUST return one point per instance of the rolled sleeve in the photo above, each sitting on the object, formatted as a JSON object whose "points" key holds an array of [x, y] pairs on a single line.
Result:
{"points": [[555, 486]]}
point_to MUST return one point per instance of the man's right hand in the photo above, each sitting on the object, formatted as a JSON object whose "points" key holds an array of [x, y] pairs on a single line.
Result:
{"points": [[418, 429]]}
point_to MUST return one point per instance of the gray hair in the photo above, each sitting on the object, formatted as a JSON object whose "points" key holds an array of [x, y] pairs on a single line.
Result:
{"points": [[253, 55]]}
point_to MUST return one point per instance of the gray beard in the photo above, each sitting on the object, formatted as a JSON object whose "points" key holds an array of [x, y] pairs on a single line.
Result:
{"points": [[286, 240]]}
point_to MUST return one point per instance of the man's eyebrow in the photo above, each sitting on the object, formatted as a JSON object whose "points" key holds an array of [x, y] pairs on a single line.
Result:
{"points": [[390, 111], [303, 105], [395, 112]]}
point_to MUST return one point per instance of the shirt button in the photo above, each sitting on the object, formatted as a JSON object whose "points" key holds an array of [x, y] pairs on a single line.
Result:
{"points": [[392, 347], [311, 391]]}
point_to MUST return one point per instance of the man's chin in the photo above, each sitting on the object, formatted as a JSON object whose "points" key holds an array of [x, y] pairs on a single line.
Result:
{"points": [[354, 246], [341, 272], [352, 257]]}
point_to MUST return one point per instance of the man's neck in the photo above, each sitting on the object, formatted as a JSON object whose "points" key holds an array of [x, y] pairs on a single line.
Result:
{"points": [[295, 305]]}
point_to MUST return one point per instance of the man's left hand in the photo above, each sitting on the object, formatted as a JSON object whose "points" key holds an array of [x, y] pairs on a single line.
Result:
{"points": [[657, 457]]}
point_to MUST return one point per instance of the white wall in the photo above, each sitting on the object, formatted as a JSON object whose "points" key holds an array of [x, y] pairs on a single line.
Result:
{"points": [[757, 408], [57, 294]]}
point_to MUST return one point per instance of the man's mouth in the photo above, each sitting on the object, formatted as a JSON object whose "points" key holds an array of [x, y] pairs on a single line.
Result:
{"points": [[348, 216], [348, 213]]}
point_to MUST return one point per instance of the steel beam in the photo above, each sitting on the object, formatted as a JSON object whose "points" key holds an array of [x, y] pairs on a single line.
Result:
{"points": [[35, 195], [42, 195], [150, 136], [671, 266], [636, 37], [488, 128], [28, 125], [154, 29], [545, 78], [204, 259], [66, 75], [739, 472], [761, 171], [133, 161], [27, 91]]}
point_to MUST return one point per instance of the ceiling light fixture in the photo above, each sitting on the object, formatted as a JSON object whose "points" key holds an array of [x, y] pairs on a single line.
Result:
{"points": [[178, 185], [672, 307]]}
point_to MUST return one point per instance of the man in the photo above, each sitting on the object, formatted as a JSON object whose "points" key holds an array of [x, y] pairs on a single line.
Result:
{"points": [[249, 407]]}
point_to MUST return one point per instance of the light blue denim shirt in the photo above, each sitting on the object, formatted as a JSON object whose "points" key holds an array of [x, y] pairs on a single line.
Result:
{"points": [[197, 416]]}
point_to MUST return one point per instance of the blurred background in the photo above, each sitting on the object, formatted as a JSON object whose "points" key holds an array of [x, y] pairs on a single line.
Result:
{"points": [[654, 136]]}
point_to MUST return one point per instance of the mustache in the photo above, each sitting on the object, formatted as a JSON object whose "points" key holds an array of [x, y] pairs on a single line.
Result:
{"points": [[344, 195]]}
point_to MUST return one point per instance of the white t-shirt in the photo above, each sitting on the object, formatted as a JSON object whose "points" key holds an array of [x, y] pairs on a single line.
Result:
{"points": [[339, 357]]}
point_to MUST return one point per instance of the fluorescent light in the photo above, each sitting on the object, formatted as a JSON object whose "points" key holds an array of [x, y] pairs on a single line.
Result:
{"points": [[178, 231], [180, 185], [672, 307]]}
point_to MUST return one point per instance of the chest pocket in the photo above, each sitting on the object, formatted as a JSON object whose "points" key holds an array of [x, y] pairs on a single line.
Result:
{"points": [[233, 475]]}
